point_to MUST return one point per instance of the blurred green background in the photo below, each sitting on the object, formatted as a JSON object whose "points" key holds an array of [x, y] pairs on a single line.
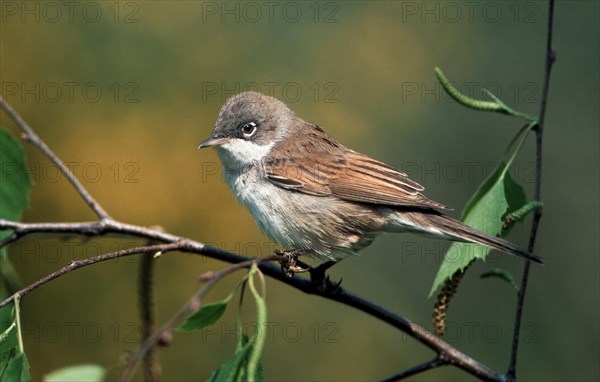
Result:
{"points": [[125, 91]]}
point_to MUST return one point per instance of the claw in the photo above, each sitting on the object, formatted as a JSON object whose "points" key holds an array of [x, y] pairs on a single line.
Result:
{"points": [[290, 271], [321, 280], [289, 262], [336, 286], [325, 285], [290, 265]]}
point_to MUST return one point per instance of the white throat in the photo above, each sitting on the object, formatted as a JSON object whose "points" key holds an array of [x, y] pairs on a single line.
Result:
{"points": [[239, 154]]}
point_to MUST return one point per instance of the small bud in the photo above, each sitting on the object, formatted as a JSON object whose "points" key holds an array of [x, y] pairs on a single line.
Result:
{"points": [[207, 276]]}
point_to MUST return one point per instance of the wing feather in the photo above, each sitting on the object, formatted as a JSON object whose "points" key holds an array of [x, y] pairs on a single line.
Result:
{"points": [[351, 176]]}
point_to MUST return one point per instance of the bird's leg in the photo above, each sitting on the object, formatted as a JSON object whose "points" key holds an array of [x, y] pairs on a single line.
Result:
{"points": [[290, 265], [320, 280]]}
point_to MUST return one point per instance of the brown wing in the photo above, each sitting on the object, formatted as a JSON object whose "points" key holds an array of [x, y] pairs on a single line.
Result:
{"points": [[350, 176]]}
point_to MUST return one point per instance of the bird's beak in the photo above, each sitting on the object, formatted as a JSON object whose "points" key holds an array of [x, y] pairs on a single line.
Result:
{"points": [[213, 141]]}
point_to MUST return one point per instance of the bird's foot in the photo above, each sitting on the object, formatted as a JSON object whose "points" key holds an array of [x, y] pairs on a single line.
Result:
{"points": [[290, 265], [321, 281]]}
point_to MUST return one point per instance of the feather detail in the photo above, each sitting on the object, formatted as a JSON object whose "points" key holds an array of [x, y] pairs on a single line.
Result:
{"points": [[327, 168]]}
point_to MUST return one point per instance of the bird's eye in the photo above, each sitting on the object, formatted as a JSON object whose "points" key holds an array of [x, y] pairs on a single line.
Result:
{"points": [[248, 129]]}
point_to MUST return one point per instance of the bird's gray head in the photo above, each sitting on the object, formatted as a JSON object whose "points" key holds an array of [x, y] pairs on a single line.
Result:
{"points": [[248, 126]]}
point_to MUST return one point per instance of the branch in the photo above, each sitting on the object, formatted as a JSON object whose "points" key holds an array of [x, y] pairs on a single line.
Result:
{"points": [[432, 364], [162, 248], [550, 58], [445, 351], [148, 314], [32, 137], [95, 228]]}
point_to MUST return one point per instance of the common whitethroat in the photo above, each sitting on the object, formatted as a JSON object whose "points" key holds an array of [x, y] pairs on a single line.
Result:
{"points": [[311, 194]]}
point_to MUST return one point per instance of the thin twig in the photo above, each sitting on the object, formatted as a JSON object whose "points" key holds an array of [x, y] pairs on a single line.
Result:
{"points": [[550, 58], [90, 261], [40, 144], [148, 315], [446, 352], [193, 305], [431, 364], [95, 228]]}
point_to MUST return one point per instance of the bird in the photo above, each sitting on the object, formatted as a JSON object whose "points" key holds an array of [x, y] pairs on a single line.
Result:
{"points": [[312, 195]]}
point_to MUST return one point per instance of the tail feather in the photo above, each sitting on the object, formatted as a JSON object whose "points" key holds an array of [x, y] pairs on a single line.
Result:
{"points": [[459, 231]]}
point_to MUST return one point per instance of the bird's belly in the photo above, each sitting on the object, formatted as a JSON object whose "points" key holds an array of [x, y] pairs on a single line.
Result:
{"points": [[291, 219], [328, 227]]}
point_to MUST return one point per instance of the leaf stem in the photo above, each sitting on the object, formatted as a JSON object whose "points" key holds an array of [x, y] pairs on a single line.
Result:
{"points": [[18, 320], [40, 144], [261, 320], [524, 133]]}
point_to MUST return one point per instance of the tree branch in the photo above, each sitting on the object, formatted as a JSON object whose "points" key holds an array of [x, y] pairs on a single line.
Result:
{"points": [[148, 314], [95, 228], [32, 137], [550, 58], [92, 260], [432, 364]]}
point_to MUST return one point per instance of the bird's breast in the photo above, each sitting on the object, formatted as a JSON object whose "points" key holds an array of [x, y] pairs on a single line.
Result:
{"points": [[270, 208], [330, 227]]}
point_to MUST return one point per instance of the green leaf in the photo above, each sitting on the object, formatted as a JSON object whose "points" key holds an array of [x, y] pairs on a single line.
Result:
{"points": [[5, 357], [79, 373], [8, 338], [13, 362], [246, 363], [15, 181], [254, 367], [483, 189], [498, 195], [207, 315], [17, 368], [6, 333], [235, 367], [10, 277], [15, 184], [501, 274], [515, 195]]}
